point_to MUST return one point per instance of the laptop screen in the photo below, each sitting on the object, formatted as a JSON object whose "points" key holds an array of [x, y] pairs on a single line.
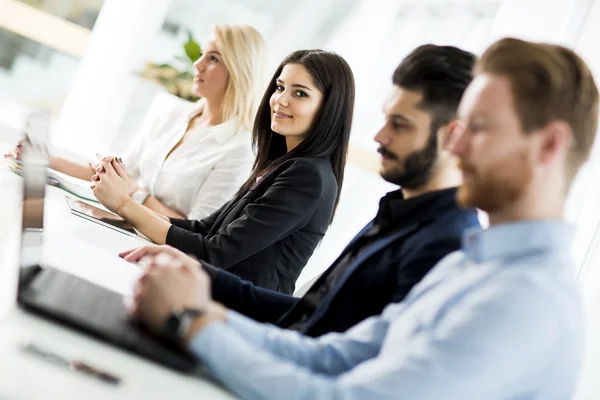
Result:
{"points": [[34, 163]]}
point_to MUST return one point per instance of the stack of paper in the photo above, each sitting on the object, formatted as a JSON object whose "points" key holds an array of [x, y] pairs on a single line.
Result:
{"points": [[75, 186], [14, 165]]}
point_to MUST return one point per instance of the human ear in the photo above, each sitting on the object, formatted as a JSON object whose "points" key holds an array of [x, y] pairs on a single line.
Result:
{"points": [[555, 138], [450, 133]]}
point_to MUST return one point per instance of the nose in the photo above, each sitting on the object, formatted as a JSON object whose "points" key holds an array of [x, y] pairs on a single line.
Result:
{"points": [[199, 64], [281, 99], [382, 137]]}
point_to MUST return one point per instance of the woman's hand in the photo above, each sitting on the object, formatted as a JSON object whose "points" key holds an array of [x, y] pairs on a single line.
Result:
{"points": [[16, 151], [116, 162], [111, 184]]}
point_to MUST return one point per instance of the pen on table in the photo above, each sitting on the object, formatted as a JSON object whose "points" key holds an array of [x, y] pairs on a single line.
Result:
{"points": [[72, 365]]}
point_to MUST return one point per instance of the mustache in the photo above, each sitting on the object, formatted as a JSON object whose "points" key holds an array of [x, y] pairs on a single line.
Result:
{"points": [[386, 153]]}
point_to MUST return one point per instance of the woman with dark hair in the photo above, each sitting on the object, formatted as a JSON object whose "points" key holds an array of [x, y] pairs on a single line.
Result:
{"points": [[271, 227]]}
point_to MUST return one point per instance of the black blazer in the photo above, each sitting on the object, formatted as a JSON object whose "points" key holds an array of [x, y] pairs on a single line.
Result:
{"points": [[384, 272], [268, 235]]}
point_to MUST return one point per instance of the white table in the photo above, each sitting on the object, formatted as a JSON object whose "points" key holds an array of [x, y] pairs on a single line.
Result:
{"points": [[88, 250]]}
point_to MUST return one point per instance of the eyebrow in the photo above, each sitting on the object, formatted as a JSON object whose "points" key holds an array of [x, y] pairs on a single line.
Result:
{"points": [[400, 118], [214, 52], [296, 85]]}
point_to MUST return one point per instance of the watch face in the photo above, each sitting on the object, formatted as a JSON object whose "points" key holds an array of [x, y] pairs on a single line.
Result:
{"points": [[139, 196], [179, 323], [172, 325]]}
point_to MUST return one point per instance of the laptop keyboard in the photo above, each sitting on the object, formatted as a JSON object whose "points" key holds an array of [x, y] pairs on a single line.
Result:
{"points": [[97, 307], [98, 311]]}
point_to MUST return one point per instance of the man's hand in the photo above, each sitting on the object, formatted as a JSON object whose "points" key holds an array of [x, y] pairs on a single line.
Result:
{"points": [[171, 280], [136, 254]]}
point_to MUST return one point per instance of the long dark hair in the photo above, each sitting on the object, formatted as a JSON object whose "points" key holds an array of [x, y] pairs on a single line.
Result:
{"points": [[329, 133]]}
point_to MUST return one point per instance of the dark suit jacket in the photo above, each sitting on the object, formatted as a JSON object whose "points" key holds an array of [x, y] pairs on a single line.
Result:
{"points": [[268, 235], [383, 272]]}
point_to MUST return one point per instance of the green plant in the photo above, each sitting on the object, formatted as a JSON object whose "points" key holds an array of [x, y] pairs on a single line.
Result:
{"points": [[177, 81]]}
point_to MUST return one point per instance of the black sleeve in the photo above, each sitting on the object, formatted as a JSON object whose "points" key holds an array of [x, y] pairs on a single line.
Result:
{"points": [[410, 272], [285, 207], [260, 304], [192, 225]]}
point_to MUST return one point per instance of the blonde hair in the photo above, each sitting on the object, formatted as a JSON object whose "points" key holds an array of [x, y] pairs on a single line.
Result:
{"points": [[548, 82], [244, 53]]}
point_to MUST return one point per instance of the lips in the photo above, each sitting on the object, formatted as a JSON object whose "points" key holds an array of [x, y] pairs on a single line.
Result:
{"points": [[386, 154], [279, 114]]}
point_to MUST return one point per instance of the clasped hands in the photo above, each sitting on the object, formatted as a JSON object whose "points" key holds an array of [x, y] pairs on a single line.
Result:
{"points": [[171, 280], [111, 184], [15, 152]]}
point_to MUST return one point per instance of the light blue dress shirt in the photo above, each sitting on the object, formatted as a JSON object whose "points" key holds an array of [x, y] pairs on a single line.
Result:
{"points": [[501, 319]]}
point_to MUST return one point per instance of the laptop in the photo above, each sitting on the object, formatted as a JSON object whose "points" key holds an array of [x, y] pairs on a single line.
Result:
{"points": [[69, 300], [37, 134]]}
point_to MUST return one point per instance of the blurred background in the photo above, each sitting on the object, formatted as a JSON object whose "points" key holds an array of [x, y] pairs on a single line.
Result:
{"points": [[90, 62]]}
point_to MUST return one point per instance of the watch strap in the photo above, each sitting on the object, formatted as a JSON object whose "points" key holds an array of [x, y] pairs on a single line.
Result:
{"points": [[140, 196], [179, 323]]}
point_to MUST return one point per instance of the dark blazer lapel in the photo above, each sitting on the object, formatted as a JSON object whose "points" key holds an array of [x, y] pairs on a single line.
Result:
{"points": [[358, 236], [248, 198], [326, 273], [367, 252], [343, 253]]}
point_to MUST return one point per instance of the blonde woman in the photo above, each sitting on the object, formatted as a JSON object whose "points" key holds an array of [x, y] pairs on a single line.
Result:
{"points": [[188, 162]]}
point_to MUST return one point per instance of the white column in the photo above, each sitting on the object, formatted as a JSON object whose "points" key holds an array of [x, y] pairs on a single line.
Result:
{"points": [[362, 43], [308, 16], [101, 89]]}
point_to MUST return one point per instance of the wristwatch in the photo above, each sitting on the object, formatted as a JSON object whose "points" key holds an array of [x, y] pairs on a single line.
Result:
{"points": [[179, 323], [140, 196]]}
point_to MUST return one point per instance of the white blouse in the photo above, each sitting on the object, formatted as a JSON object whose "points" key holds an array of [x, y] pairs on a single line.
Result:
{"points": [[200, 175]]}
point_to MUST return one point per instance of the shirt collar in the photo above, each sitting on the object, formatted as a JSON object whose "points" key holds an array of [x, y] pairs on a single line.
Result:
{"points": [[516, 239], [222, 132], [393, 207]]}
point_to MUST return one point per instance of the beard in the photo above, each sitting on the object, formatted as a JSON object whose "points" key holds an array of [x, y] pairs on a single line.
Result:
{"points": [[416, 169], [498, 186]]}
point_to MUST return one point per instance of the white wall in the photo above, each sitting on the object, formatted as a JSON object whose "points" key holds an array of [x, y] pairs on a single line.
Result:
{"points": [[585, 211]]}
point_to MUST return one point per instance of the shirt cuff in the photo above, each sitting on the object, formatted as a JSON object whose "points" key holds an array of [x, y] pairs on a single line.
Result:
{"points": [[186, 241], [252, 331], [181, 223], [212, 271], [177, 237]]}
